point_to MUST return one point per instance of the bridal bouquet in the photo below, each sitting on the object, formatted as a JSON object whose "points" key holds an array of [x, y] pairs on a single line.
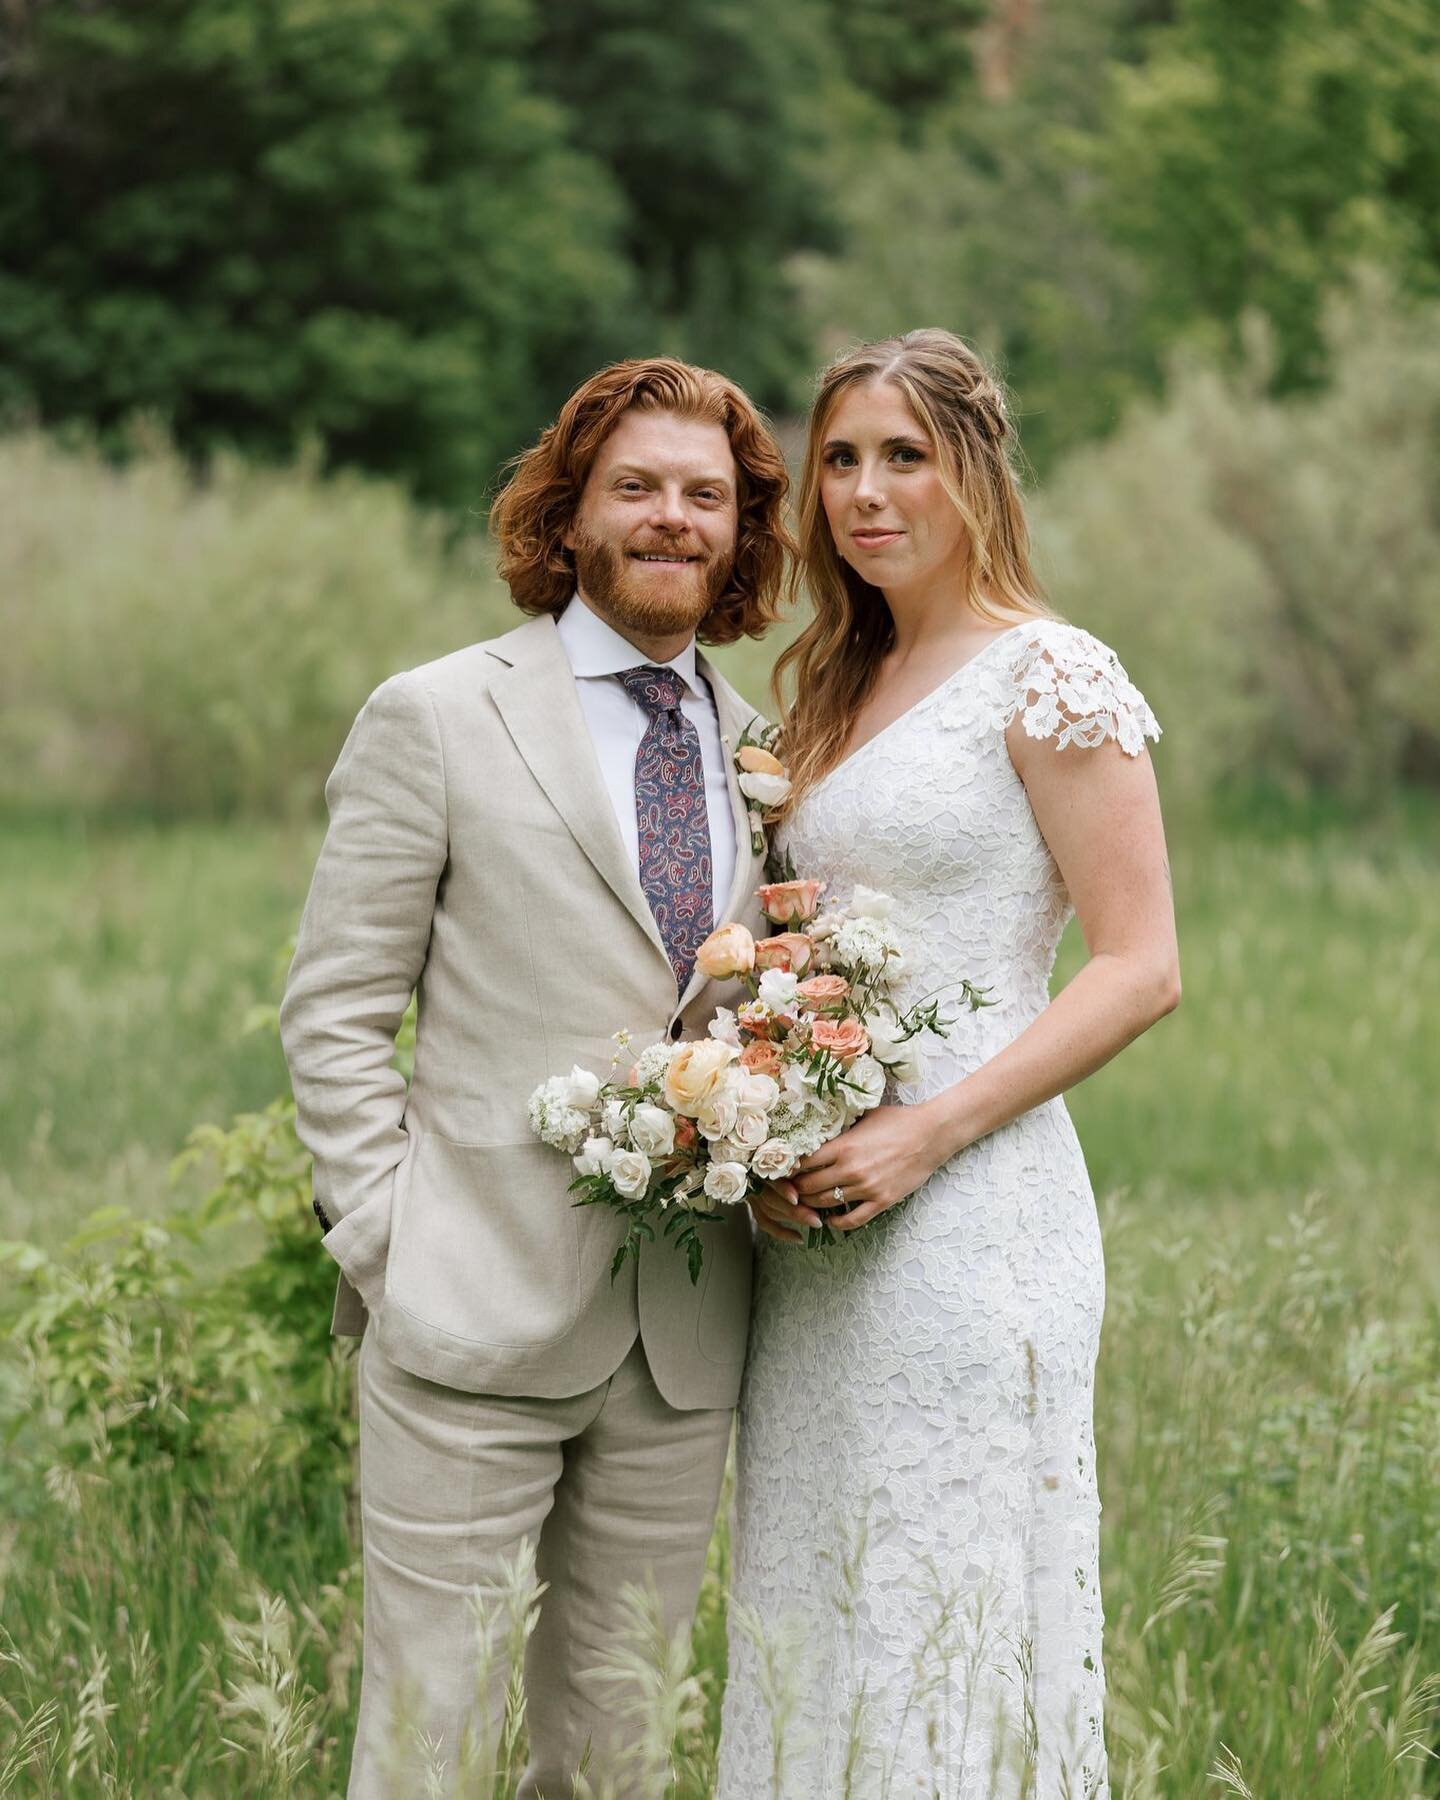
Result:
{"points": [[701, 1125]]}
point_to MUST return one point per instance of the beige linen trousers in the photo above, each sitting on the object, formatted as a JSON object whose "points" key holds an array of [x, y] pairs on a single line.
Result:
{"points": [[509, 1389]]}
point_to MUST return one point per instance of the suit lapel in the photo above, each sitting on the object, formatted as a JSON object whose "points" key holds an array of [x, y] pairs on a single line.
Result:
{"points": [[536, 698]]}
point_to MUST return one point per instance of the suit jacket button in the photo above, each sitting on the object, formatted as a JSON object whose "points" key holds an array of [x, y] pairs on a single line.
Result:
{"points": [[676, 1029]]}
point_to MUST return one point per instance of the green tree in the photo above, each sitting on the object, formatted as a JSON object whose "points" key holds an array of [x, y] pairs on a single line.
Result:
{"points": [[711, 116], [268, 220], [1261, 149]]}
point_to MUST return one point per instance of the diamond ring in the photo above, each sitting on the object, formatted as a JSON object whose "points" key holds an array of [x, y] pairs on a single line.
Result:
{"points": [[838, 1195]]}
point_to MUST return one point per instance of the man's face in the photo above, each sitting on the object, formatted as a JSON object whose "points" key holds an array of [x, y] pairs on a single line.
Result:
{"points": [[654, 534]]}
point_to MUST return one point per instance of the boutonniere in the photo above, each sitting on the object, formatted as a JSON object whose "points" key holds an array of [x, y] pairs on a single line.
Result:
{"points": [[760, 776]]}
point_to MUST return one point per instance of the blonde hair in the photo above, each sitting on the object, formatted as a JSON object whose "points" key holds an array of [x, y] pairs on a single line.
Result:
{"points": [[831, 666]]}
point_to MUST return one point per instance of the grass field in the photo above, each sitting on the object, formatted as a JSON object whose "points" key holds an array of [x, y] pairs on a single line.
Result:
{"points": [[1269, 1398]]}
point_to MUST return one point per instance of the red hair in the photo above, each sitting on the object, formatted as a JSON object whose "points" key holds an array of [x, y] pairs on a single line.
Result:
{"points": [[537, 505]]}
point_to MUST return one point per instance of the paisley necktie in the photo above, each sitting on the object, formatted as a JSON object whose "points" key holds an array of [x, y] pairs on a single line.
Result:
{"points": [[676, 872]]}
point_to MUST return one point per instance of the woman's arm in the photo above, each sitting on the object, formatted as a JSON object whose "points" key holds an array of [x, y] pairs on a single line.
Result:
{"points": [[1100, 814]]}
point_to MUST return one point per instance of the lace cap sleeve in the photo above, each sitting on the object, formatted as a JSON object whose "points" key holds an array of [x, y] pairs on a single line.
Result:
{"points": [[1065, 684]]}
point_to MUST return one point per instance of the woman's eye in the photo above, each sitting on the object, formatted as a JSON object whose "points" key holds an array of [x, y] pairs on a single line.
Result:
{"points": [[839, 459]]}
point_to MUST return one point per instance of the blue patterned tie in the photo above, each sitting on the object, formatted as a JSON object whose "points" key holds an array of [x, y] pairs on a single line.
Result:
{"points": [[676, 872]]}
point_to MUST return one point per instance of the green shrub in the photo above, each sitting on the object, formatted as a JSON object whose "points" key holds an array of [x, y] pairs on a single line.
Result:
{"points": [[201, 645], [1270, 569]]}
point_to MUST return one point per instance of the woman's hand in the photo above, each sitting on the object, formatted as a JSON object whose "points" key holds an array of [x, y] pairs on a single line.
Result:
{"points": [[878, 1162]]}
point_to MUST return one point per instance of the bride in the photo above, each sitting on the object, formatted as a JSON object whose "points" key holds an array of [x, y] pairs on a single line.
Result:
{"points": [[916, 1603]]}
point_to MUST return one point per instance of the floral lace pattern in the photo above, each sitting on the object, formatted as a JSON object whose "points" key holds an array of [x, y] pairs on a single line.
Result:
{"points": [[916, 1570]]}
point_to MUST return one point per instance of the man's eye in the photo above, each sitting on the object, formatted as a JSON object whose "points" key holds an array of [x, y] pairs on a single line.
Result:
{"points": [[908, 458]]}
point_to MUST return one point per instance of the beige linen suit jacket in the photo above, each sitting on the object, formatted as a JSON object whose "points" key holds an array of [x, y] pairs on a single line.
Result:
{"points": [[473, 856]]}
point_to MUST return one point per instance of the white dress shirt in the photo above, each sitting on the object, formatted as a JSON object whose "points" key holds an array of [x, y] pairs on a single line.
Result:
{"points": [[597, 653]]}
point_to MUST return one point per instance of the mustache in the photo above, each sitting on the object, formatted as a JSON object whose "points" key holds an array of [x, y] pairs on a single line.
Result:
{"points": [[668, 546]]}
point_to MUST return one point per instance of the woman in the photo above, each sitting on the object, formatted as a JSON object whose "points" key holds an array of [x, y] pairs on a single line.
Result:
{"points": [[916, 1585]]}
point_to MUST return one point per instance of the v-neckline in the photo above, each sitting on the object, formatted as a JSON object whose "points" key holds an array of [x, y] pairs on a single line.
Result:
{"points": [[915, 705]]}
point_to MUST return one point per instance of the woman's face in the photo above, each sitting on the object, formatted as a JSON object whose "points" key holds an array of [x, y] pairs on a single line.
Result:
{"points": [[891, 518]]}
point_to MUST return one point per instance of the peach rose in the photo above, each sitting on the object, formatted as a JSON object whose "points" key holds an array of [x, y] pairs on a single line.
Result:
{"points": [[696, 1072], [729, 950], [756, 761], [790, 950], [843, 1038], [790, 902], [761, 1059], [823, 990], [686, 1136]]}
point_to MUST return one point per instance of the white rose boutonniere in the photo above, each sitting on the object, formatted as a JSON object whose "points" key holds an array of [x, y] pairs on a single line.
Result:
{"points": [[760, 776]]}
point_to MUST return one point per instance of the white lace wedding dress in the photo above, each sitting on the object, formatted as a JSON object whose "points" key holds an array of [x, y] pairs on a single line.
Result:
{"points": [[915, 1596]]}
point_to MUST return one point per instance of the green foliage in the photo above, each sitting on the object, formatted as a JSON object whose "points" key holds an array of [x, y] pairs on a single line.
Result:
{"points": [[179, 1574], [185, 645], [706, 117], [1258, 149], [359, 224], [1270, 568]]}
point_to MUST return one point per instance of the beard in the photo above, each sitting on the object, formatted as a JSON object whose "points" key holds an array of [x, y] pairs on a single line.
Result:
{"points": [[652, 601]]}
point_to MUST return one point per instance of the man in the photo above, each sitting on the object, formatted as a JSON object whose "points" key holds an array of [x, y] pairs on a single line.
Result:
{"points": [[537, 832]]}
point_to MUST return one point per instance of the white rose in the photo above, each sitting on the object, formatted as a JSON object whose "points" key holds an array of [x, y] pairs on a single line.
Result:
{"points": [[904, 1058], [777, 988], [751, 1131], [866, 1084], [757, 1093], [726, 1182], [824, 927], [582, 1089], [730, 1150], [718, 1115], [725, 1027], [652, 1130], [766, 790], [773, 1160], [870, 903], [594, 1157], [613, 1118], [630, 1172], [799, 1083]]}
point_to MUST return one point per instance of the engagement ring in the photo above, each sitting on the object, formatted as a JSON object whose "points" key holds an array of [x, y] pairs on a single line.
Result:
{"points": [[838, 1195]]}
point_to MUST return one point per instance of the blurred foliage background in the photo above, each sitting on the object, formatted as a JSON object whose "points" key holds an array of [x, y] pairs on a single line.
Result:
{"points": [[283, 283]]}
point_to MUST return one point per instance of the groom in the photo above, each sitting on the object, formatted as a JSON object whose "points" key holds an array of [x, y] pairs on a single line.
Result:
{"points": [[537, 833]]}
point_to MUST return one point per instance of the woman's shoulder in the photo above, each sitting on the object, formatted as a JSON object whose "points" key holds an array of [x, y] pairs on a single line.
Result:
{"points": [[1061, 681]]}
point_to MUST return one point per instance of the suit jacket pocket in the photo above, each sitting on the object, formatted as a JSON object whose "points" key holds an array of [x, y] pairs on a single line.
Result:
{"points": [[484, 1244]]}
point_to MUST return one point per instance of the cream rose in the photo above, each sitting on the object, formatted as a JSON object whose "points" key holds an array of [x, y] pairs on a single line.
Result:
{"points": [[630, 1172], [718, 1115], [696, 1071], [726, 1182], [750, 1131], [773, 1160], [652, 1130], [765, 790], [729, 950]]}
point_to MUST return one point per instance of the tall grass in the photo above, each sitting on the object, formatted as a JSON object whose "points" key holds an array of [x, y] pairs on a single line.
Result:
{"points": [[179, 1576]]}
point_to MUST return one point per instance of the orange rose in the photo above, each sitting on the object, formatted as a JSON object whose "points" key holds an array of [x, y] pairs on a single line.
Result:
{"points": [[685, 1134], [790, 902], [760, 1059], [843, 1038], [790, 950], [755, 761], [729, 950], [823, 990]]}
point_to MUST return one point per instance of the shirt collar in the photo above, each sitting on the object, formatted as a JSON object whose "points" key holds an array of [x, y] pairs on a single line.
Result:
{"points": [[596, 649]]}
